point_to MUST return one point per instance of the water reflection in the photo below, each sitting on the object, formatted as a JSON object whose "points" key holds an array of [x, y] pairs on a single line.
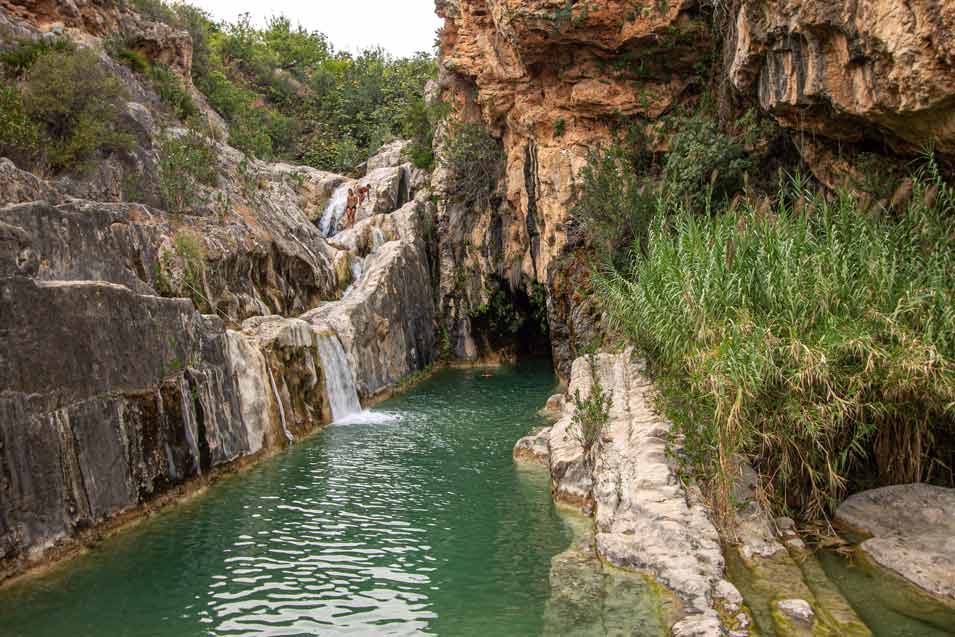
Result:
{"points": [[416, 522]]}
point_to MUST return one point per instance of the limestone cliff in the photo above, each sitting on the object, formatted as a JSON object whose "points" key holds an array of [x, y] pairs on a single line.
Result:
{"points": [[556, 79], [143, 348]]}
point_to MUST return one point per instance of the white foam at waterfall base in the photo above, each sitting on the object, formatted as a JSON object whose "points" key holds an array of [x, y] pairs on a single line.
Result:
{"points": [[334, 210], [339, 384]]}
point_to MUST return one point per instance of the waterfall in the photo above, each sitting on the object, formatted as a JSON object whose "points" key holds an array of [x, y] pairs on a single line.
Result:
{"points": [[377, 238], [339, 384], [357, 269], [278, 400], [334, 210]]}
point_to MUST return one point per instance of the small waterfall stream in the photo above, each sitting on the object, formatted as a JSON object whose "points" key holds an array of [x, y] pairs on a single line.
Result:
{"points": [[334, 210], [342, 396]]}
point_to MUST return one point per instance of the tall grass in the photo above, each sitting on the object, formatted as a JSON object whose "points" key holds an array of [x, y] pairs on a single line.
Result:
{"points": [[813, 339]]}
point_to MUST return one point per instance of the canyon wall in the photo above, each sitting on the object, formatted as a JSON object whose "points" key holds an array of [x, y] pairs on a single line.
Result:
{"points": [[142, 349], [554, 80]]}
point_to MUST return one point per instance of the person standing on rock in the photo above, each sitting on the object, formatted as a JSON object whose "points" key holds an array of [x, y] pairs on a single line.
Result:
{"points": [[362, 193], [351, 206]]}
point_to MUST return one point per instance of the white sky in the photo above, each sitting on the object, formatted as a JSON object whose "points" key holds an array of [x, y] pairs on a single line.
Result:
{"points": [[401, 27]]}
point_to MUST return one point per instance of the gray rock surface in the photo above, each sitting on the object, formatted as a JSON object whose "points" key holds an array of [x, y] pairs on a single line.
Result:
{"points": [[386, 322], [913, 533], [645, 518]]}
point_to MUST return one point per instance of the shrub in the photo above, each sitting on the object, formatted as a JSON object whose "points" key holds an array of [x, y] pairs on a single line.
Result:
{"points": [[185, 163], [614, 207], [474, 161], [75, 105], [591, 415], [19, 135], [19, 59], [155, 10], [815, 340], [172, 91], [703, 164]]}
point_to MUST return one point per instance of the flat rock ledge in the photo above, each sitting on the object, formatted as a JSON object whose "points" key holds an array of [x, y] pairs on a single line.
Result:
{"points": [[645, 519], [912, 529]]}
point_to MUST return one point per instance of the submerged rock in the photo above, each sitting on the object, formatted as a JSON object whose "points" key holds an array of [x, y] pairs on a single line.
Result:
{"points": [[913, 533], [589, 597], [534, 447]]}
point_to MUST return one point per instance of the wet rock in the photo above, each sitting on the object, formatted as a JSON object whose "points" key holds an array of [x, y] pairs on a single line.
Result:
{"points": [[386, 323], [798, 609], [913, 533], [534, 447], [589, 598]]}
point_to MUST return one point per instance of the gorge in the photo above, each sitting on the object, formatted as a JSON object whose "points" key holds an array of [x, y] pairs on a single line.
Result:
{"points": [[717, 239]]}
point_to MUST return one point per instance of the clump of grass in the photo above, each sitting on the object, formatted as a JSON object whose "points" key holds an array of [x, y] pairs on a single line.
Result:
{"points": [[812, 339], [191, 252], [186, 162], [591, 415]]}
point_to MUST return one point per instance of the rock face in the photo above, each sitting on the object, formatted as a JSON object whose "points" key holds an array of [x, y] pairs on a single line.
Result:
{"points": [[913, 533], [116, 397], [645, 519], [113, 391], [555, 80], [850, 71], [552, 80]]}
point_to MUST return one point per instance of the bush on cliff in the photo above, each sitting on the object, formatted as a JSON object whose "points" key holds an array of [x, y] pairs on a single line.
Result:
{"points": [[703, 165], [186, 162], [75, 106], [814, 339], [474, 160], [614, 206]]}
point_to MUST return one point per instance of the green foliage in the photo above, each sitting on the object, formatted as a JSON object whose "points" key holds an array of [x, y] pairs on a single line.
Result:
{"points": [[500, 314], [19, 135], [474, 160], [591, 414], [19, 59], [74, 105], [420, 123], [614, 206], [172, 91], [560, 127], [285, 92], [135, 60], [815, 340], [192, 255], [703, 164], [185, 163], [155, 10]]}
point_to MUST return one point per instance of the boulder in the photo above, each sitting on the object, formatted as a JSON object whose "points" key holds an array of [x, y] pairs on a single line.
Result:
{"points": [[912, 529], [388, 156], [534, 447]]}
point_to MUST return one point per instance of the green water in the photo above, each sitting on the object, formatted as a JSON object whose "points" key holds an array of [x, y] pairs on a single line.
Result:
{"points": [[417, 522], [888, 607]]}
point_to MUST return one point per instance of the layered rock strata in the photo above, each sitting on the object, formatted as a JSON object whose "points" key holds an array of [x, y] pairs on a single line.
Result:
{"points": [[115, 394], [644, 517], [554, 80]]}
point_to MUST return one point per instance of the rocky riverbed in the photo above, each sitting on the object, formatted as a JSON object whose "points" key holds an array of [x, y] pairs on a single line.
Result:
{"points": [[645, 518]]}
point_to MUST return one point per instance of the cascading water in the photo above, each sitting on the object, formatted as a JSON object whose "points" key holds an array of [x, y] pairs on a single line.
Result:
{"points": [[342, 396], [357, 266], [334, 210], [377, 238]]}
